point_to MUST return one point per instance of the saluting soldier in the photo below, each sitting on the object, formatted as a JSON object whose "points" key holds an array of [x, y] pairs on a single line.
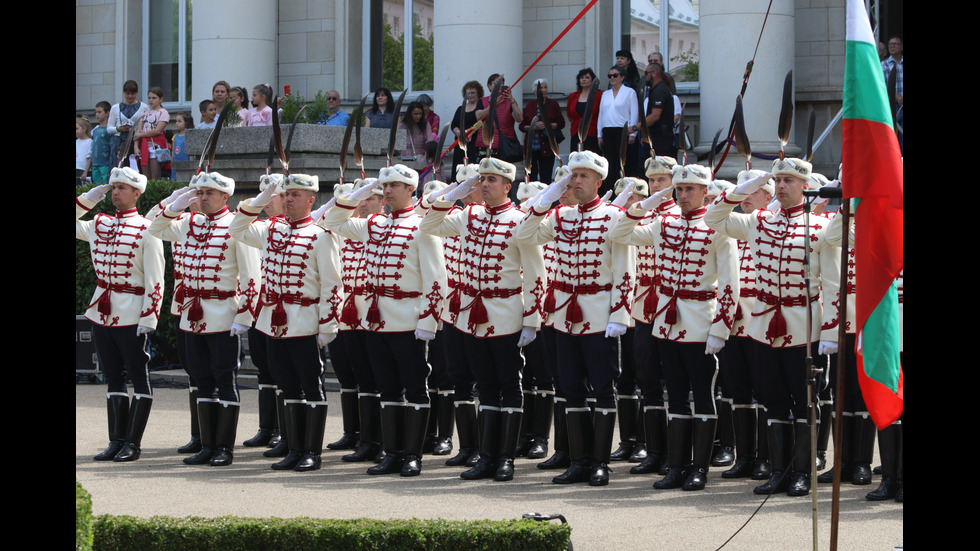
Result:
{"points": [[406, 282], [591, 297], [125, 307], [783, 302], [298, 309], [221, 282], [500, 288]]}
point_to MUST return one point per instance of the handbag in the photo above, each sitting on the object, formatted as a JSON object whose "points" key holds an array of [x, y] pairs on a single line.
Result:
{"points": [[510, 149], [163, 154]]}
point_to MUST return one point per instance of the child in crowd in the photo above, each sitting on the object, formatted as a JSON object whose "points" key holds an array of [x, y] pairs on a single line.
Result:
{"points": [[239, 100], [100, 161], [151, 137], [184, 121], [209, 112], [83, 148], [260, 114]]}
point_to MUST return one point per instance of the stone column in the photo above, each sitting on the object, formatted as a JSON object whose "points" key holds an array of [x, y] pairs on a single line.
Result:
{"points": [[729, 32], [236, 43]]}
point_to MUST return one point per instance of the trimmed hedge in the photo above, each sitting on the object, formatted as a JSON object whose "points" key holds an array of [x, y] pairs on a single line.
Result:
{"points": [[305, 534], [83, 518], [163, 339]]}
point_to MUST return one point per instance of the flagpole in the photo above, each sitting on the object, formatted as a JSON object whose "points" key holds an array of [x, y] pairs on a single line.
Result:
{"points": [[841, 367]]}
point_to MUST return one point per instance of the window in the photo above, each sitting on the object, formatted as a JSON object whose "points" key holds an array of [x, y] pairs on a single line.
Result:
{"points": [[644, 22], [407, 58], [167, 49]]}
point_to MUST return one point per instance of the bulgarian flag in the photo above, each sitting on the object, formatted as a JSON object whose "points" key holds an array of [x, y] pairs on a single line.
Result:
{"points": [[873, 175]]}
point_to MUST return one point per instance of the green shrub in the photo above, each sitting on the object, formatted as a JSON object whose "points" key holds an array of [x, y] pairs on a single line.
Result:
{"points": [[83, 518], [248, 534]]}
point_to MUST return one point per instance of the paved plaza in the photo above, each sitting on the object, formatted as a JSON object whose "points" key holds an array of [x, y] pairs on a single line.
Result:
{"points": [[627, 514]]}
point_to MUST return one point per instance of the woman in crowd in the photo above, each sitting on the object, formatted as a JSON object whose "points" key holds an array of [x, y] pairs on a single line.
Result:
{"points": [[618, 108], [464, 118], [418, 133], [576, 110], [631, 78], [508, 112], [542, 157], [122, 117], [380, 114]]}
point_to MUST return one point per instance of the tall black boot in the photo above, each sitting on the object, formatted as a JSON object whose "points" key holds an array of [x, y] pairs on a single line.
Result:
{"points": [[392, 429], [511, 424], [629, 409], [780, 434], [580, 439], [352, 425], [890, 449], [207, 416], [281, 447], [293, 431], [799, 479], [762, 469], [194, 445], [605, 427], [316, 422], [560, 458], [369, 446], [416, 423], [466, 428], [679, 448], [746, 424], [655, 427], [225, 436], [724, 451], [864, 448], [139, 412], [117, 411], [640, 453], [429, 442], [846, 452], [527, 423], [544, 408], [490, 419], [704, 437], [823, 434], [446, 414], [267, 417]]}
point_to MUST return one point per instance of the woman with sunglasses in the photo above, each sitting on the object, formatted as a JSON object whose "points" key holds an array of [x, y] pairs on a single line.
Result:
{"points": [[617, 108]]}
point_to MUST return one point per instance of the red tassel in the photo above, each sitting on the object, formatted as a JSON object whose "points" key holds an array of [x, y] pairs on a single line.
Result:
{"points": [[196, 312], [777, 326], [373, 314], [278, 315], [574, 314], [670, 316], [478, 312], [650, 304], [179, 295], [105, 307], [549, 302], [738, 313], [454, 302], [348, 315]]}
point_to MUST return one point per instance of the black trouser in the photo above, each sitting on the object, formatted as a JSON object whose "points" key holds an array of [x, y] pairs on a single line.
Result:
{"points": [[459, 367], [121, 352], [497, 365], [357, 357], [398, 363], [688, 370], [297, 366], [584, 362], [213, 360]]}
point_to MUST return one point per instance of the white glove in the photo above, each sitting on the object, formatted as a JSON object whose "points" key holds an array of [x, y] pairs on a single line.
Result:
{"points": [[654, 200], [553, 192], [183, 201], [237, 329], [827, 348], [318, 213], [528, 335], [323, 339], [142, 330], [263, 198], [177, 193], [435, 195], [462, 190], [361, 194], [714, 345], [614, 330], [605, 198], [753, 185], [423, 335], [97, 193], [625, 195]]}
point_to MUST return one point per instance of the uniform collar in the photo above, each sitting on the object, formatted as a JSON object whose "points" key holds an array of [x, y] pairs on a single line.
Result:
{"points": [[791, 212], [666, 205], [395, 214], [219, 214], [503, 207], [695, 214], [591, 205], [305, 221], [126, 213]]}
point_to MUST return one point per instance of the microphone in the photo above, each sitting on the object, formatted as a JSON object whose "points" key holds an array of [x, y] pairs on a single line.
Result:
{"points": [[825, 192]]}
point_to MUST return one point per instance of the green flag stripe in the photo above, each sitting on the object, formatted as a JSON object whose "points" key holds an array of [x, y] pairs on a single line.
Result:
{"points": [[882, 329], [865, 96]]}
